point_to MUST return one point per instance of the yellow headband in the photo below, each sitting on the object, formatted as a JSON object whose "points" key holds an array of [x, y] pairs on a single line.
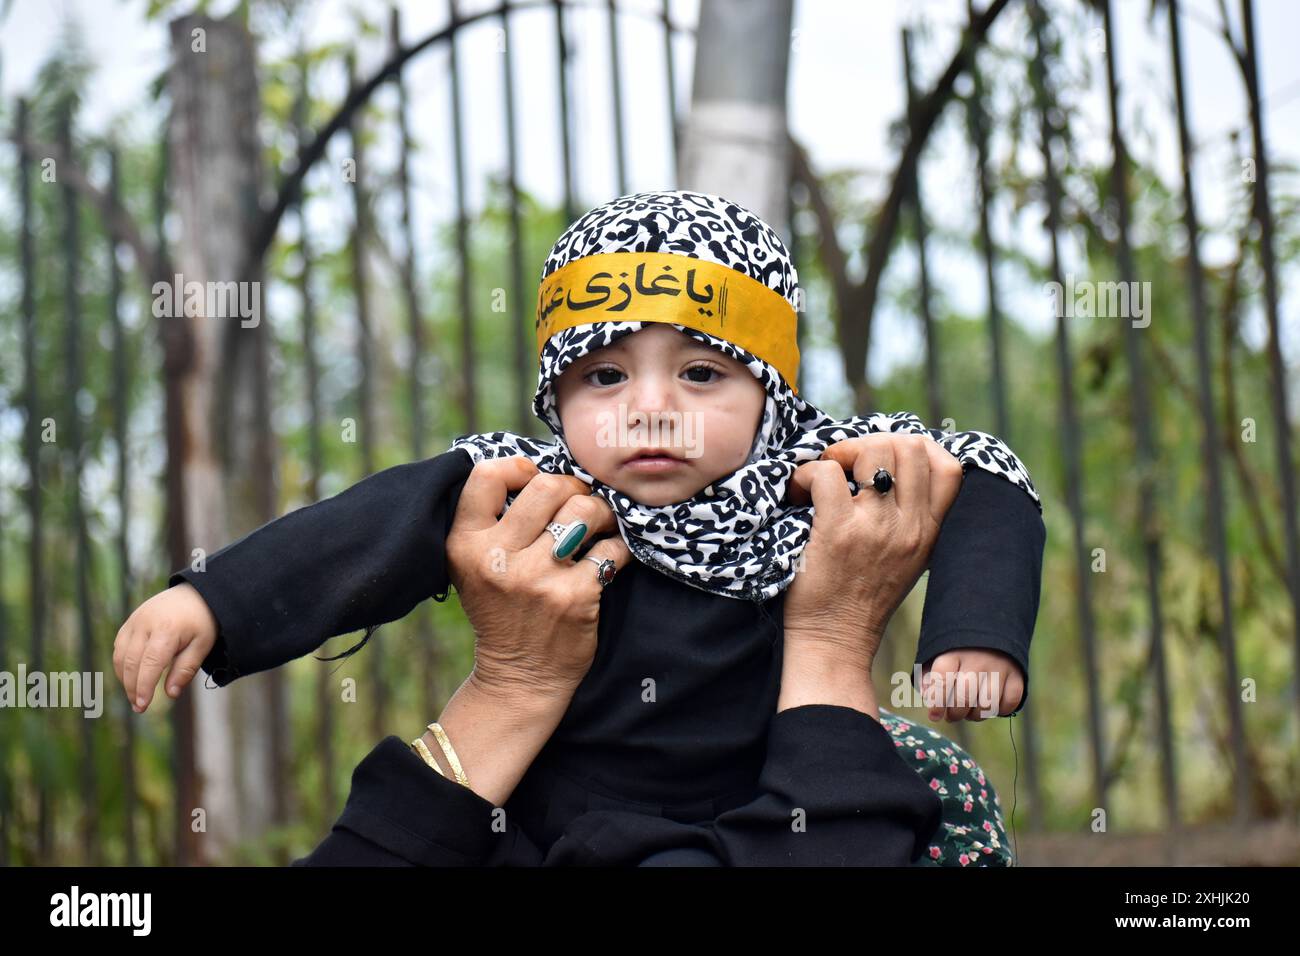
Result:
{"points": [[679, 290]]}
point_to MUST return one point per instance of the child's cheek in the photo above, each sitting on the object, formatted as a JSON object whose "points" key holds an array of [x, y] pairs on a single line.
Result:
{"points": [[723, 441]]}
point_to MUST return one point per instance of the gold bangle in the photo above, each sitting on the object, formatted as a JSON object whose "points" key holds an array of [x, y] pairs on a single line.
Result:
{"points": [[450, 753], [421, 748]]}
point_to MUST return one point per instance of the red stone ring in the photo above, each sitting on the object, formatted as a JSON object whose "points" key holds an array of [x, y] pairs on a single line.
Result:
{"points": [[604, 571]]}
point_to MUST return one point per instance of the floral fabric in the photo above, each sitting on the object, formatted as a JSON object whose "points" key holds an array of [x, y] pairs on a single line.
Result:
{"points": [[971, 832]]}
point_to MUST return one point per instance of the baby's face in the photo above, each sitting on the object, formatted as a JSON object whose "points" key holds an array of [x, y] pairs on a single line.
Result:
{"points": [[659, 389]]}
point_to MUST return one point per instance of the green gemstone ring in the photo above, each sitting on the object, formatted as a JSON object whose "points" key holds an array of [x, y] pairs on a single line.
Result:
{"points": [[567, 538]]}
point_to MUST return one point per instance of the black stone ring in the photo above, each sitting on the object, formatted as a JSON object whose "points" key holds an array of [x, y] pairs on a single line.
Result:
{"points": [[882, 481]]}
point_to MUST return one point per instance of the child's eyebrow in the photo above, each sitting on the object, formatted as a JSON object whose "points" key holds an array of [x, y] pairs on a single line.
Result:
{"points": [[695, 345], [686, 344]]}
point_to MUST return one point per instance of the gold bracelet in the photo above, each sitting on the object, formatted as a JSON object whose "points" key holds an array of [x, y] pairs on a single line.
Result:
{"points": [[421, 748], [450, 753]]}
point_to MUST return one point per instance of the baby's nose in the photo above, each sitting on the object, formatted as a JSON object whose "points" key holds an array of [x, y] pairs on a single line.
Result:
{"points": [[653, 395]]}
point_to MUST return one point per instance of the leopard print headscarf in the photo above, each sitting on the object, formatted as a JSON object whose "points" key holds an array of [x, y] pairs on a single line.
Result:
{"points": [[736, 537]]}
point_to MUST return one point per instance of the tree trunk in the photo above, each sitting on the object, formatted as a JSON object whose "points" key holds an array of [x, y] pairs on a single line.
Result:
{"points": [[315, 452], [468, 361], [425, 639], [121, 377], [1263, 214], [1142, 426], [367, 424], [1071, 451], [933, 385], [525, 363], [1210, 457], [32, 448], [225, 455], [81, 568], [735, 143]]}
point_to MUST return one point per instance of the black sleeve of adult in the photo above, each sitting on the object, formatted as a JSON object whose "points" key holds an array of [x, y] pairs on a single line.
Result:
{"points": [[985, 573], [833, 792], [363, 557], [400, 812]]}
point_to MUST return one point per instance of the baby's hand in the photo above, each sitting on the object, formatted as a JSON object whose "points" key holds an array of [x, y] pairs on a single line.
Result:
{"points": [[174, 627], [954, 677]]}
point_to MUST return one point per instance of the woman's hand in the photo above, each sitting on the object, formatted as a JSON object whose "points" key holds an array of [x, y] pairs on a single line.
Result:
{"points": [[535, 618], [866, 551], [174, 631]]}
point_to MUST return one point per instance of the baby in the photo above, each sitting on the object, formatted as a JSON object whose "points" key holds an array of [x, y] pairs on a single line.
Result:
{"points": [[712, 516]]}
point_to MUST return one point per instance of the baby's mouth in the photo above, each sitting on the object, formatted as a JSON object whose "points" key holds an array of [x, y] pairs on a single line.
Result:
{"points": [[653, 459], [655, 453]]}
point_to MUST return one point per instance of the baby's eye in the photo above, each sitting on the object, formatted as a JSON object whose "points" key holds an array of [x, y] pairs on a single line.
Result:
{"points": [[606, 370], [708, 369]]}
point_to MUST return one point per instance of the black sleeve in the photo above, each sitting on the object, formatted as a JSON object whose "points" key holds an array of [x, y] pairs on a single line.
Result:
{"points": [[833, 792], [399, 812], [985, 573], [363, 557]]}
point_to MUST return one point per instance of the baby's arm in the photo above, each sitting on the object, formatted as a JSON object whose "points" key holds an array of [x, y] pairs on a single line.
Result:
{"points": [[363, 557], [983, 590], [985, 573]]}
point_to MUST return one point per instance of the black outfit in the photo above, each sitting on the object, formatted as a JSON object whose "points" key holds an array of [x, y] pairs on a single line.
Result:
{"points": [[716, 773]]}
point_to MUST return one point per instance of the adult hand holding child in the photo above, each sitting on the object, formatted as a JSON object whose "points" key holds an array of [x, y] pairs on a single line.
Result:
{"points": [[535, 618], [864, 555]]}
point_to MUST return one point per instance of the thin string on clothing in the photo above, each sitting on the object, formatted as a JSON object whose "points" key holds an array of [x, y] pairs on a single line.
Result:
{"points": [[1015, 777], [370, 630]]}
